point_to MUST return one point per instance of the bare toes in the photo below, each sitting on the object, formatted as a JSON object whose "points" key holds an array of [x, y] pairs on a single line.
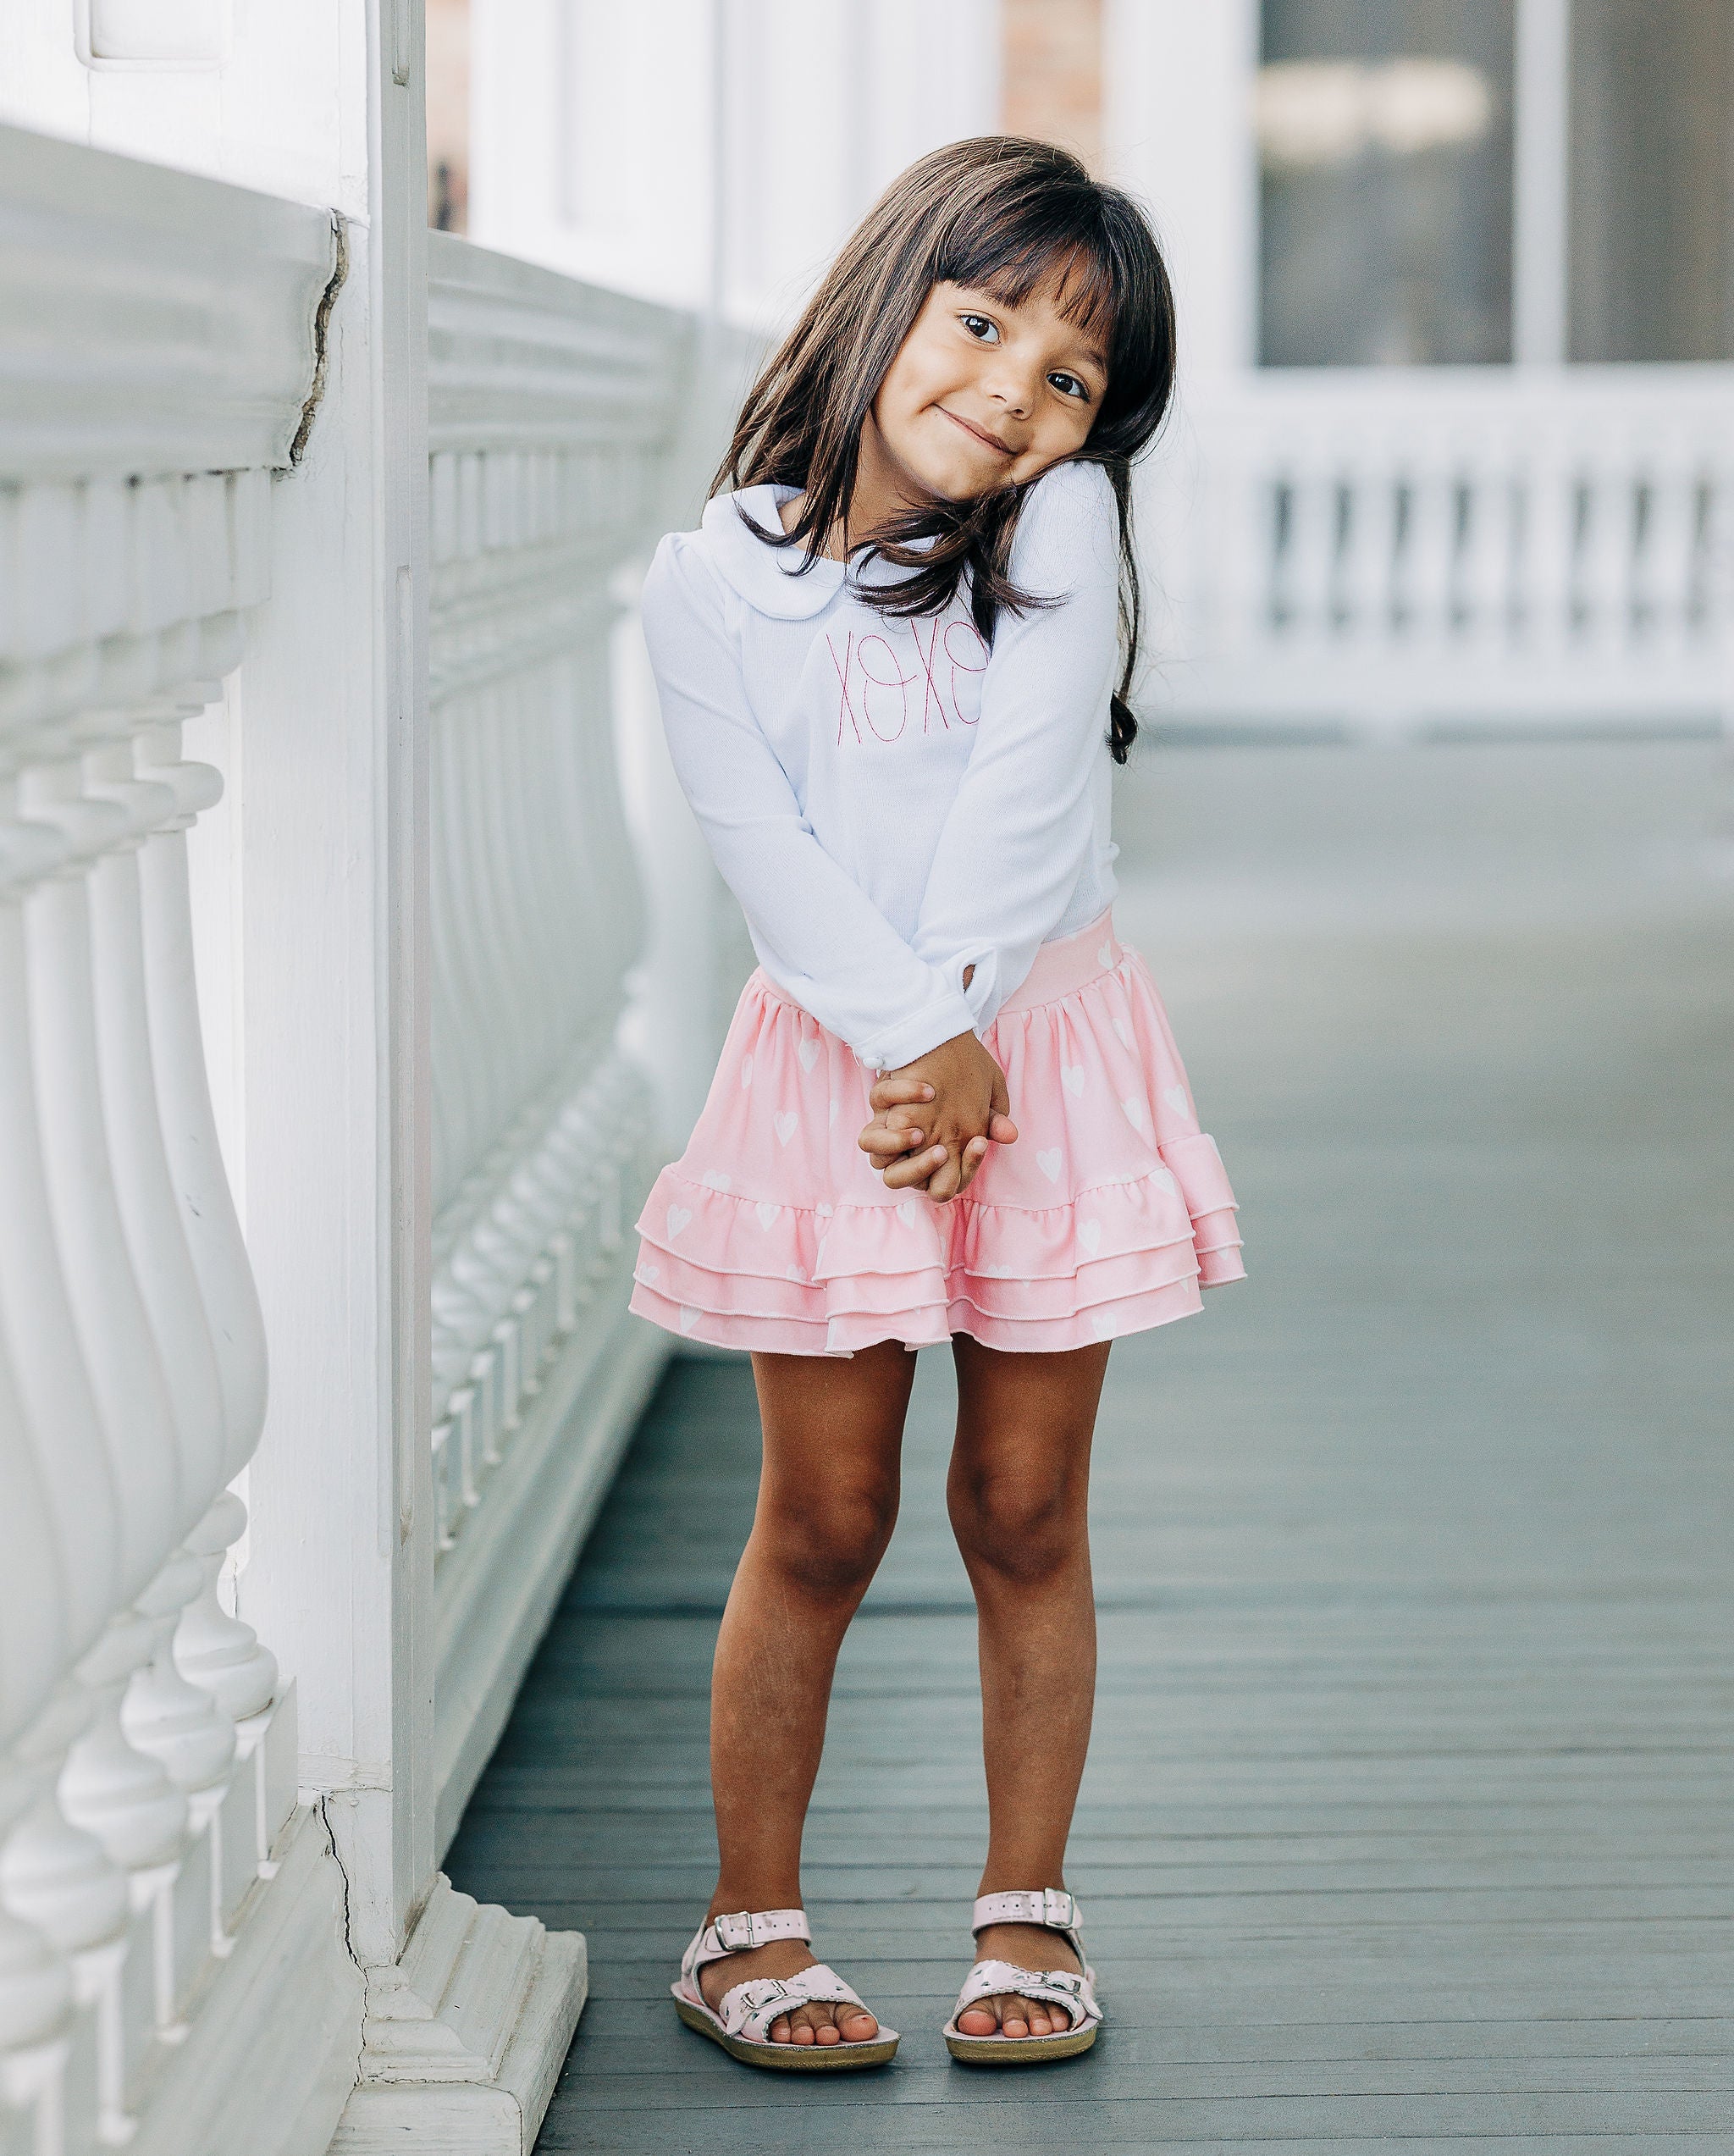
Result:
{"points": [[977, 2021], [858, 2028], [780, 2030]]}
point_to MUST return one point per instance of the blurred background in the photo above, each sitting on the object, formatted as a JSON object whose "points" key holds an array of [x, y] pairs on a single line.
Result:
{"points": [[1409, 1554], [1450, 464]]}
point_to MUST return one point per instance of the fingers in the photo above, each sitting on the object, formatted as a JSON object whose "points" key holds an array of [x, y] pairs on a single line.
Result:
{"points": [[943, 1184], [885, 1143], [973, 1154], [899, 1092], [1002, 1129], [908, 1173]]}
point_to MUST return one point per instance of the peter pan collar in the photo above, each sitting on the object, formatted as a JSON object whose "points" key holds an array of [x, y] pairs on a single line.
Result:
{"points": [[774, 580]]}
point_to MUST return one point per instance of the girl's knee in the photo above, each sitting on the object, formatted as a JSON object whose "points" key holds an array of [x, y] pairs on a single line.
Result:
{"points": [[1025, 1526], [827, 1541]]}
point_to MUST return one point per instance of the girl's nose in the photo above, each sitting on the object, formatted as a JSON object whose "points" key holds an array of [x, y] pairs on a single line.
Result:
{"points": [[1014, 393]]}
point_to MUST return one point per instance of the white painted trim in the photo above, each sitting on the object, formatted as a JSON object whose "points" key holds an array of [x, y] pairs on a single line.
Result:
{"points": [[497, 1589], [270, 2055], [465, 2038], [207, 296], [1540, 185]]}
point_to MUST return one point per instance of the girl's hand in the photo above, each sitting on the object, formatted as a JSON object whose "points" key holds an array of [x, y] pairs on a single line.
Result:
{"points": [[952, 1102]]}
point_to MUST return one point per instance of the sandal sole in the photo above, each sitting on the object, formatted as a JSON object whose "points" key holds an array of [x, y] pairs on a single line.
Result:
{"points": [[791, 2058], [1019, 2051]]}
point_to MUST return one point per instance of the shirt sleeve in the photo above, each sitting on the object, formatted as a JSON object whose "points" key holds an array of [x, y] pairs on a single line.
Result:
{"points": [[832, 949], [1018, 832]]}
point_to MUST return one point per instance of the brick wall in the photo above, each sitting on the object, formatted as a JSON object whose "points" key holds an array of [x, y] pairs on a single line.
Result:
{"points": [[1052, 73]]}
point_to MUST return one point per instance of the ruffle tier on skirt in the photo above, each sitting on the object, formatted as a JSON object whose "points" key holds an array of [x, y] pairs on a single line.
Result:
{"points": [[775, 1231]]}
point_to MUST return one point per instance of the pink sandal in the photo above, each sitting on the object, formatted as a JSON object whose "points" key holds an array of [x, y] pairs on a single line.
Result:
{"points": [[747, 2010], [1055, 1910]]}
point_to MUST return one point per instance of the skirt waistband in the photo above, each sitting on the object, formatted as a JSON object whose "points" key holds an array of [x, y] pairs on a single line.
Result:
{"points": [[1067, 963], [1062, 967]]}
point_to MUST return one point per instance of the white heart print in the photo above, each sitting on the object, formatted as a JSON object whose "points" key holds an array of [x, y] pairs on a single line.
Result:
{"points": [[1163, 1178], [1101, 1322], [689, 1318], [766, 1213], [795, 1274], [1122, 1026], [784, 1125], [823, 1211], [1089, 1235], [1175, 1095], [809, 1054], [996, 1272], [906, 1211], [713, 1178], [649, 1275], [678, 1217], [1049, 1163], [1072, 1077], [1105, 956], [746, 1071], [1135, 1113]]}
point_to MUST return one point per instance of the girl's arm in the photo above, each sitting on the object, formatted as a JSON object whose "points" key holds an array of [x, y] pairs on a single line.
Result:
{"points": [[834, 951], [1018, 832]]}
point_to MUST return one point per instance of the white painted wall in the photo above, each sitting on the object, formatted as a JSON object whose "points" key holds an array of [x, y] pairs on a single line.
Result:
{"points": [[711, 153]]}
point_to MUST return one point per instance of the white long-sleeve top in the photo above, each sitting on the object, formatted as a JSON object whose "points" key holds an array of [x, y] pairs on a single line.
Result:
{"points": [[891, 801]]}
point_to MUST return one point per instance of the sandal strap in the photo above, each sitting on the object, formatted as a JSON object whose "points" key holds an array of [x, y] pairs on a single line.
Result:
{"points": [[749, 2009], [1052, 1907], [1057, 1986], [739, 1933]]}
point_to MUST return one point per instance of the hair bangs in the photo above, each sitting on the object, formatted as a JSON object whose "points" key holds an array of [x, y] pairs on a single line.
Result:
{"points": [[1014, 256]]}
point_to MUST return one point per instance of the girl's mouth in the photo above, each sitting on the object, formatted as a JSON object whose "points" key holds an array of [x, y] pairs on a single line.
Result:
{"points": [[980, 434]]}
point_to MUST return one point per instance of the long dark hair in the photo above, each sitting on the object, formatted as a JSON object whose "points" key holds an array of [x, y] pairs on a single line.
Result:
{"points": [[1001, 214]]}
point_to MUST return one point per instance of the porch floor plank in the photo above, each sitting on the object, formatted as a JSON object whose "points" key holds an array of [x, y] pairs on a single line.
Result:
{"points": [[1409, 1814]]}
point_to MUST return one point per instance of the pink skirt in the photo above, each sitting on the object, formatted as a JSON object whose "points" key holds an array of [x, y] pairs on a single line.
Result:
{"points": [[775, 1231]]}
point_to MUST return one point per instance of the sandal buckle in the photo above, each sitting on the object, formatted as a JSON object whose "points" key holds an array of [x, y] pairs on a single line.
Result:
{"points": [[1059, 1912], [735, 1932]]}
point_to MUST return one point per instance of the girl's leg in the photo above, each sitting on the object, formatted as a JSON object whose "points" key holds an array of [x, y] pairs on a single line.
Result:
{"points": [[827, 1502], [1018, 1496]]}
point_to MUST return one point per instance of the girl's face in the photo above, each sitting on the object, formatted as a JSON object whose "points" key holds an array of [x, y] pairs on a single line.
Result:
{"points": [[983, 395]]}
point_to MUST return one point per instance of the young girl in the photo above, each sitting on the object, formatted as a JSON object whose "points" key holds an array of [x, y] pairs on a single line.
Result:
{"points": [[893, 668]]}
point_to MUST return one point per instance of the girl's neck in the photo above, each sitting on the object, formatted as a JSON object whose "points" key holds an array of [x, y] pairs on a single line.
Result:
{"points": [[882, 494]]}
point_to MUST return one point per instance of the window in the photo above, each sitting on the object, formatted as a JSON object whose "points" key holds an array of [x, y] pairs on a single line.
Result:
{"points": [[1384, 130], [1651, 163]]}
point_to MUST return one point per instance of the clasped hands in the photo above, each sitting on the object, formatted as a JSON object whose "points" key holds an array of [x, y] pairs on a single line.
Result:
{"points": [[935, 1118]]}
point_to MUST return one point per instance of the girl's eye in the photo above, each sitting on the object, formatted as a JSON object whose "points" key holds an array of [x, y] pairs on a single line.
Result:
{"points": [[1069, 385], [980, 328]]}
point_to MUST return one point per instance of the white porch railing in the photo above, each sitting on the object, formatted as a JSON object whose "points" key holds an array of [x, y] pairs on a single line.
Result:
{"points": [[1401, 548], [553, 413], [149, 1829], [210, 1943]]}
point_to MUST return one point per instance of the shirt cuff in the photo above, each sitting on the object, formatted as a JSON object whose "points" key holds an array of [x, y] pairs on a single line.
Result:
{"points": [[913, 1037]]}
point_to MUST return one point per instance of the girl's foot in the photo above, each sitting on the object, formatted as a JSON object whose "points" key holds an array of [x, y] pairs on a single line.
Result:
{"points": [[820, 2022], [1006, 2013]]}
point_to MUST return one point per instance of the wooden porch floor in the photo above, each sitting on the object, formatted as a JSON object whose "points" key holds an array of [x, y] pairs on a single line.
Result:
{"points": [[1409, 1813]]}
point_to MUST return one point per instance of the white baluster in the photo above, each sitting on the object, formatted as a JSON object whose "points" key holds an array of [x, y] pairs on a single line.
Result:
{"points": [[114, 1333], [36, 1986], [213, 1649], [168, 1282], [109, 1787], [54, 1394], [206, 1205], [180, 1723]]}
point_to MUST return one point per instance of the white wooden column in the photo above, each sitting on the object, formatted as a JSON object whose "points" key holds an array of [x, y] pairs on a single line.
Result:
{"points": [[1178, 82], [1540, 238]]}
